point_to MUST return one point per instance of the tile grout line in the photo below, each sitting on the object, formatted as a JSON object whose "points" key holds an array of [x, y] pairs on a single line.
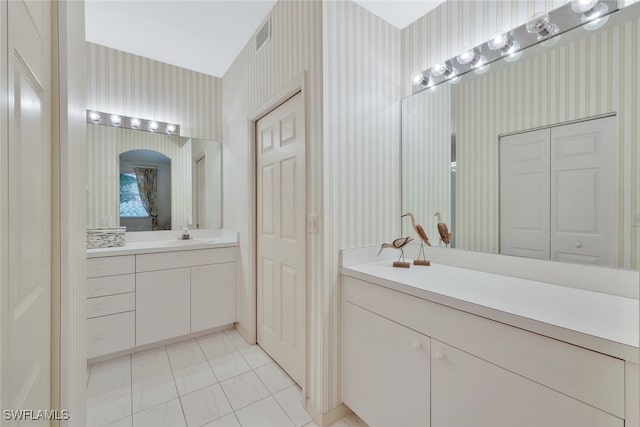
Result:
{"points": [[175, 384], [131, 384]]}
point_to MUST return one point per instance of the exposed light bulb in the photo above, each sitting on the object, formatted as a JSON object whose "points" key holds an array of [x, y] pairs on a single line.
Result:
{"points": [[468, 57], [171, 128], [540, 24], [94, 117], [419, 79], [498, 41], [116, 120], [135, 123], [440, 69], [153, 126], [582, 6], [595, 12]]}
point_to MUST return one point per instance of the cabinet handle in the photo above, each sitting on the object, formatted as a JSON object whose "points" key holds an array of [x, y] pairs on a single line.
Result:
{"points": [[417, 346], [578, 245], [439, 356], [98, 337]]}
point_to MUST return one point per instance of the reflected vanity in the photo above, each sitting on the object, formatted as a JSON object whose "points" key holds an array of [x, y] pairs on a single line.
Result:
{"points": [[535, 155]]}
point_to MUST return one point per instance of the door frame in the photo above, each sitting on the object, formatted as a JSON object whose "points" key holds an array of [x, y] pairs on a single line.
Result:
{"points": [[195, 201], [298, 84]]}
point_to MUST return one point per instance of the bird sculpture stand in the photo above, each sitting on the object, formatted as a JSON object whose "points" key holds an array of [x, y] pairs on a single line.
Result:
{"points": [[398, 244], [443, 230], [424, 240]]}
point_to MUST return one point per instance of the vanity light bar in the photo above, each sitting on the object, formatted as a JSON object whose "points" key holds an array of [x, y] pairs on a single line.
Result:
{"points": [[509, 45], [119, 121]]}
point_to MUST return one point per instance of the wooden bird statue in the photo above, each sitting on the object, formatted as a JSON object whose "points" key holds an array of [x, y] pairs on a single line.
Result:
{"points": [[424, 240], [445, 236], [398, 244]]}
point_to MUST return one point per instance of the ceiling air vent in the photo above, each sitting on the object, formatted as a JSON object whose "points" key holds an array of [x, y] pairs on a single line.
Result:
{"points": [[264, 33]]}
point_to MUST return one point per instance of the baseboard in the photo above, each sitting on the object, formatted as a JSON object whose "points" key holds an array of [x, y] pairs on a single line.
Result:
{"points": [[245, 334], [328, 418]]}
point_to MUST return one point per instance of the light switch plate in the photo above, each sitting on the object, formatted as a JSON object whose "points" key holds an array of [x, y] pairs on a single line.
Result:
{"points": [[312, 224]]}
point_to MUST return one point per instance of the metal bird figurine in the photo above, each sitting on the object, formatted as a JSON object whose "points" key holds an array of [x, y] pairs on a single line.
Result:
{"points": [[423, 240], [445, 236], [398, 244]]}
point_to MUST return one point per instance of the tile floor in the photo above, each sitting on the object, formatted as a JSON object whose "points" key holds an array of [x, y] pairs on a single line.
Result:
{"points": [[213, 381]]}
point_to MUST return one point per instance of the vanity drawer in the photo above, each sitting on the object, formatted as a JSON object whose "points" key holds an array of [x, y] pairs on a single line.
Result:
{"points": [[110, 266], [109, 334], [111, 285], [588, 376], [112, 304], [180, 259]]}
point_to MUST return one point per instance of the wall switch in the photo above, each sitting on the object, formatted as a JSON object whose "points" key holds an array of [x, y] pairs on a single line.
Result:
{"points": [[312, 224]]}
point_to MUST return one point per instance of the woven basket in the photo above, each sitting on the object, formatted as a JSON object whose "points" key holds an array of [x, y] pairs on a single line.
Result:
{"points": [[105, 237]]}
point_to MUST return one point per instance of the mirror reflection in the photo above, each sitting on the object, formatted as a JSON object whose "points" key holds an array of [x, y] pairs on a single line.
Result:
{"points": [[150, 181], [537, 156]]}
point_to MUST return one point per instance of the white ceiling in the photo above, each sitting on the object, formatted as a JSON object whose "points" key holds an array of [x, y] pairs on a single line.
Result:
{"points": [[399, 13], [204, 35]]}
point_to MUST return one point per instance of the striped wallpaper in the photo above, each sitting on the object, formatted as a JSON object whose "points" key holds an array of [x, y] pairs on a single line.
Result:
{"points": [[426, 158], [251, 81], [106, 143], [127, 84], [362, 90]]}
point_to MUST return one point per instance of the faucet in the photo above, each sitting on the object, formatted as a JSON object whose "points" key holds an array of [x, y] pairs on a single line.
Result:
{"points": [[185, 234]]}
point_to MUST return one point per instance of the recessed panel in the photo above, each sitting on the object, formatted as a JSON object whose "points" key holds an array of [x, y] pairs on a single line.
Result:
{"points": [[267, 200], [528, 253], [577, 201], [576, 145], [287, 198], [577, 259], [288, 130], [524, 199], [268, 270], [288, 305], [266, 139], [528, 151]]}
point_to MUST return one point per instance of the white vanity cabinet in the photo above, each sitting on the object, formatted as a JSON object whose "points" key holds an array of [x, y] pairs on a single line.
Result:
{"points": [[386, 369], [144, 298], [407, 361]]}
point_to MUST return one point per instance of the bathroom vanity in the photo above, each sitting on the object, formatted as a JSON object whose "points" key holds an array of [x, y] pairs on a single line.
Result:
{"points": [[155, 291], [446, 346]]}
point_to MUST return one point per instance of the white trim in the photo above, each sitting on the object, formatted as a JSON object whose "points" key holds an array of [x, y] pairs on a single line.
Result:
{"points": [[4, 205], [298, 84], [329, 418]]}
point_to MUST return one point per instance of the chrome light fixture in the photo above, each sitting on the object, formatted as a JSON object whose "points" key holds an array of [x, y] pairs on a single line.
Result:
{"points": [[135, 123], [503, 43], [153, 126], [170, 128], [116, 120], [539, 24], [419, 79], [591, 12], [443, 69], [94, 116]]}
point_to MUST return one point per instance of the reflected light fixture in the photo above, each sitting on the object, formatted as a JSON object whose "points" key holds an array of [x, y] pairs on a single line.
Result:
{"points": [[170, 129], [590, 10], [153, 126], [539, 24], [596, 23], [94, 117], [116, 120]]}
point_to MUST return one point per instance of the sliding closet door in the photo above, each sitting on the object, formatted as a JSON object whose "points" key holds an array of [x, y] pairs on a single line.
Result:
{"points": [[525, 194], [584, 190]]}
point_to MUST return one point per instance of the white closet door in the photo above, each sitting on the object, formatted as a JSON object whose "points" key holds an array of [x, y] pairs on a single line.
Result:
{"points": [[524, 194], [281, 235], [584, 192]]}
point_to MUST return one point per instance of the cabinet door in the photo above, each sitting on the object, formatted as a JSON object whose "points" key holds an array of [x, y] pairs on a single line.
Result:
{"points": [[385, 370], [468, 391], [162, 305], [213, 296]]}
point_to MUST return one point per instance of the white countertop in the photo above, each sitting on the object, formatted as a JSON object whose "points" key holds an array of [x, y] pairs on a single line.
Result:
{"points": [[601, 322], [132, 248]]}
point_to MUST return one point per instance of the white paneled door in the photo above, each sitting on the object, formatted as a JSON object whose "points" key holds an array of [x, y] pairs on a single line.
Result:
{"points": [[281, 210], [26, 298], [524, 194], [559, 193], [584, 191]]}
